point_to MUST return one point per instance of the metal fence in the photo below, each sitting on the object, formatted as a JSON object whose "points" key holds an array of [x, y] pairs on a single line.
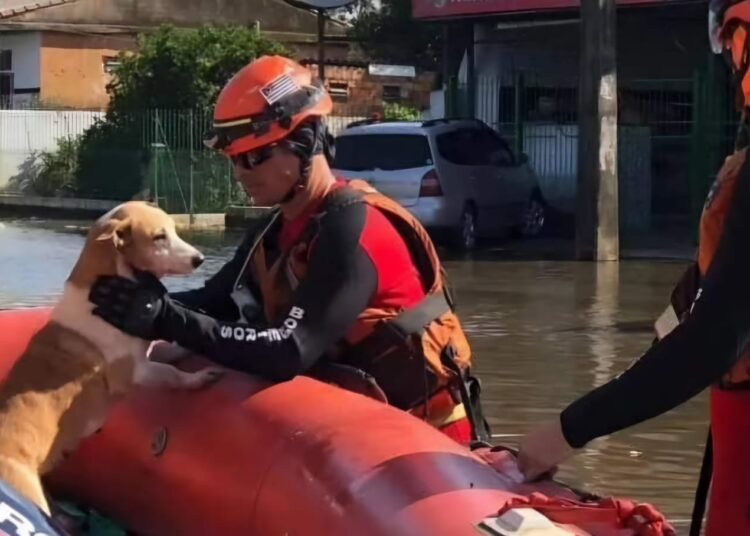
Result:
{"points": [[671, 137], [182, 175], [154, 154]]}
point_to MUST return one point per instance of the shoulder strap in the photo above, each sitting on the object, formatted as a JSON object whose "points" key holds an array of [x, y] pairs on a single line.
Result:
{"points": [[255, 241], [336, 200], [342, 197], [415, 236]]}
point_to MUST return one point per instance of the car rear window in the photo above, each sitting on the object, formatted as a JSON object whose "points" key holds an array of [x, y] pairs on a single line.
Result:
{"points": [[388, 152], [474, 147]]}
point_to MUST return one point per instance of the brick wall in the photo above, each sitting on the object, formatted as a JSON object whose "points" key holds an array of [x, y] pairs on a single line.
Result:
{"points": [[356, 92]]}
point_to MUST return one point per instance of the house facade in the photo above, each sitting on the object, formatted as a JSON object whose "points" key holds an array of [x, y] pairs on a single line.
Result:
{"points": [[60, 53], [362, 88], [58, 69]]}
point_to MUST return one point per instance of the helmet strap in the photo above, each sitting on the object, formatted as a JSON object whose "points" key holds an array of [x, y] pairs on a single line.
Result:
{"points": [[308, 140], [739, 73], [742, 138], [292, 193]]}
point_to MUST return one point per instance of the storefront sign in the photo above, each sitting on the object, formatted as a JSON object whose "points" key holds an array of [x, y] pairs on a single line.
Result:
{"points": [[435, 9]]}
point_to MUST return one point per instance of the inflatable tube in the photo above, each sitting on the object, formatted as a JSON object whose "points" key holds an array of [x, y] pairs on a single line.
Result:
{"points": [[299, 457]]}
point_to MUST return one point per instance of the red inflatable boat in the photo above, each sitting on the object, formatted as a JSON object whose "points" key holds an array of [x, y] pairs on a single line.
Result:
{"points": [[303, 458]]}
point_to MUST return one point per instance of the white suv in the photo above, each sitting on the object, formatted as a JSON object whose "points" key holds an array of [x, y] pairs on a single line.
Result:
{"points": [[457, 176]]}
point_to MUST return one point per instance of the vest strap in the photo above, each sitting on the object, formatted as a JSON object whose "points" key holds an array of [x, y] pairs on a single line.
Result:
{"points": [[417, 318]]}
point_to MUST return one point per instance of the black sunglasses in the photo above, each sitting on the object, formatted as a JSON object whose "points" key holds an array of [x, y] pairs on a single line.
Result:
{"points": [[252, 159]]}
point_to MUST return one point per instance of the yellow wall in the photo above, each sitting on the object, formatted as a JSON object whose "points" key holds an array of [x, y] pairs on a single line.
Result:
{"points": [[72, 72]]}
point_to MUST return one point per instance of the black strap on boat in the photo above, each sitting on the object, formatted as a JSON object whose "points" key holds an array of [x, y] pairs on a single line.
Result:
{"points": [[701, 491], [469, 389]]}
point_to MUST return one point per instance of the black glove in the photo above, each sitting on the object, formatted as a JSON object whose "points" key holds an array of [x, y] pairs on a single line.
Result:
{"points": [[134, 307]]}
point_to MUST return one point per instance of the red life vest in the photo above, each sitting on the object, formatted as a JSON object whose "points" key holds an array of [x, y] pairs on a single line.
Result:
{"points": [[414, 355]]}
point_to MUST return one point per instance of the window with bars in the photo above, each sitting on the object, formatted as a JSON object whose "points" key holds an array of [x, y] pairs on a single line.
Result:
{"points": [[110, 64], [391, 93], [339, 91], [6, 60], [6, 90], [6, 79]]}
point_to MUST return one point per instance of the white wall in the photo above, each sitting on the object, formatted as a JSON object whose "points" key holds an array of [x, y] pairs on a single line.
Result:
{"points": [[26, 47], [437, 106], [25, 133]]}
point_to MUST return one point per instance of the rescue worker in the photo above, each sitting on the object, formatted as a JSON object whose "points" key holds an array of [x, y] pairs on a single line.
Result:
{"points": [[341, 283], [702, 338]]}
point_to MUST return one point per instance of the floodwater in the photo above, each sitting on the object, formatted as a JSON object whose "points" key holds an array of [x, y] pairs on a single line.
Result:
{"points": [[543, 331]]}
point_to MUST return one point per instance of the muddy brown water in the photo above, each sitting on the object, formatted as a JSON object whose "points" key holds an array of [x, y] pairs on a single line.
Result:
{"points": [[543, 331]]}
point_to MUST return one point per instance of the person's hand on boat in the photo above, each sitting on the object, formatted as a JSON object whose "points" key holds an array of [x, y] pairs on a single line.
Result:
{"points": [[131, 306], [542, 449]]}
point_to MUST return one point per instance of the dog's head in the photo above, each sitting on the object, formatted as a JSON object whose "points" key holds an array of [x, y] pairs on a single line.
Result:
{"points": [[144, 237]]}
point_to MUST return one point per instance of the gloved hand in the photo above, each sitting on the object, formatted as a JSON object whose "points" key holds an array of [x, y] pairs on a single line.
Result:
{"points": [[134, 307]]}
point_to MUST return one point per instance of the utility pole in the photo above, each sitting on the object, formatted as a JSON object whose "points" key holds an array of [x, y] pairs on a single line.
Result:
{"points": [[321, 44], [319, 7], [597, 225]]}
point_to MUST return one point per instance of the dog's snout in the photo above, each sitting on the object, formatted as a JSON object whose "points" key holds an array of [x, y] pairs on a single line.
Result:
{"points": [[198, 260]]}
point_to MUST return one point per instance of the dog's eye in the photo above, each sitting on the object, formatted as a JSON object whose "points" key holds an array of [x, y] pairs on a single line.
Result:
{"points": [[160, 236]]}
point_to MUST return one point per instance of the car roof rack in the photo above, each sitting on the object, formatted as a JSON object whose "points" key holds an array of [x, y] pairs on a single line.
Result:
{"points": [[371, 121], [442, 120], [361, 122]]}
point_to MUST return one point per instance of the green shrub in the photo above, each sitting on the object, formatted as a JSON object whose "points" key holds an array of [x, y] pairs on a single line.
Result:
{"points": [[399, 112]]}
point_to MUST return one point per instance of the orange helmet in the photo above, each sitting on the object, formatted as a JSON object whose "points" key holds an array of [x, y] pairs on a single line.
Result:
{"points": [[263, 103], [729, 26]]}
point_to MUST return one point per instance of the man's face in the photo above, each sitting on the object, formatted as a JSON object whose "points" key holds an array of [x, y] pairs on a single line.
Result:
{"points": [[267, 174]]}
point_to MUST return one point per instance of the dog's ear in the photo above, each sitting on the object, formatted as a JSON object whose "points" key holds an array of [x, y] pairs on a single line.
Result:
{"points": [[118, 231]]}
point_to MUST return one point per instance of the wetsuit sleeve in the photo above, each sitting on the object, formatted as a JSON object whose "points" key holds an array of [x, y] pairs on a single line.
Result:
{"points": [[340, 282], [690, 358]]}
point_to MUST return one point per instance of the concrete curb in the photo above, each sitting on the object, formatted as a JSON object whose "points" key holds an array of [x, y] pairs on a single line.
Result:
{"points": [[16, 205]]}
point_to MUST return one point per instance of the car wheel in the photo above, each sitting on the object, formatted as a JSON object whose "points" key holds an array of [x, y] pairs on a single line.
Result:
{"points": [[465, 235], [534, 216]]}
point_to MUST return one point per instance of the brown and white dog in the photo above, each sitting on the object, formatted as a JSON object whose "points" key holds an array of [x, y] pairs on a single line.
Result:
{"points": [[78, 365]]}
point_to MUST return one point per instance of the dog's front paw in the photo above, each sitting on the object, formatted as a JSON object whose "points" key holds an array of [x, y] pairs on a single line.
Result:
{"points": [[164, 352], [203, 378]]}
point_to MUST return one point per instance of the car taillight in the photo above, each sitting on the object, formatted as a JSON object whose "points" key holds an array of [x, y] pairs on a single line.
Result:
{"points": [[430, 186]]}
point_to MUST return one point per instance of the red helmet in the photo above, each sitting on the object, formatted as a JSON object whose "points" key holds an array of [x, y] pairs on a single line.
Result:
{"points": [[263, 103], [729, 29], [723, 17]]}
